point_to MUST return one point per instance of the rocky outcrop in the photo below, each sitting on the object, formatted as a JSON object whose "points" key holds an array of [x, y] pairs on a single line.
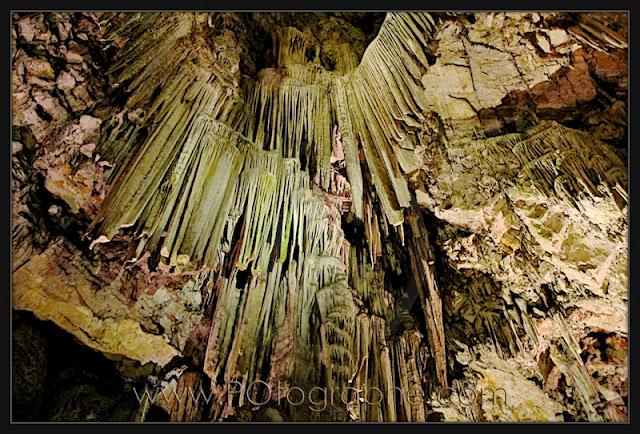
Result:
{"points": [[409, 211], [532, 218]]}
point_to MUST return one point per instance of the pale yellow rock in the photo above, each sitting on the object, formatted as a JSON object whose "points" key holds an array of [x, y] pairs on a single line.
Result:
{"points": [[40, 68], [543, 43], [61, 186], [558, 37], [50, 295], [525, 401]]}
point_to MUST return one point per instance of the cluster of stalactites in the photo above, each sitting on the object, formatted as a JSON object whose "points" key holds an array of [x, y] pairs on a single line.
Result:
{"points": [[158, 173], [560, 161], [378, 106], [218, 184], [291, 114], [344, 57], [388, 370], [292, 45], [155, 141], [224, 182], [156, 46], [393, 65], [291, 110], [171, 76], [293, 250]]}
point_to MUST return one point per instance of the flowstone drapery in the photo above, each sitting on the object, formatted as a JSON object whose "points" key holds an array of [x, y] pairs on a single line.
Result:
{"points": [[224, 183]]}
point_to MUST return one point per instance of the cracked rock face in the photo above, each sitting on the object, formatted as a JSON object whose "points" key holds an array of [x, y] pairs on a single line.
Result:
{"points": [[422, 216]]}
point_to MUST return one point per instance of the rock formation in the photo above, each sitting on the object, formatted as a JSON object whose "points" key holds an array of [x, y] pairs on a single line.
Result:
{"points": [[322, 216]]}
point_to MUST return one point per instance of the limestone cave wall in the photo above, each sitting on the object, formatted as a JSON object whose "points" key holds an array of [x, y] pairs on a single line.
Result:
{"points": [[323, 216]]}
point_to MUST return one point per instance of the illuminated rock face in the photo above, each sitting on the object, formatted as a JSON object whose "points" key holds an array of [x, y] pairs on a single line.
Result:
{"points": [[395, 218]]}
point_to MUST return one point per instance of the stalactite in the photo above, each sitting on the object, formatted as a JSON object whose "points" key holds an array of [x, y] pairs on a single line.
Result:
{"points": [[291, 45], [291, 114], [559, 160], [350, 145], [213, 181], [423, 267]]}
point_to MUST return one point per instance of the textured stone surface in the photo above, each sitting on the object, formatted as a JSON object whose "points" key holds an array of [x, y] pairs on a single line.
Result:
{"points": [[291, 199]]}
